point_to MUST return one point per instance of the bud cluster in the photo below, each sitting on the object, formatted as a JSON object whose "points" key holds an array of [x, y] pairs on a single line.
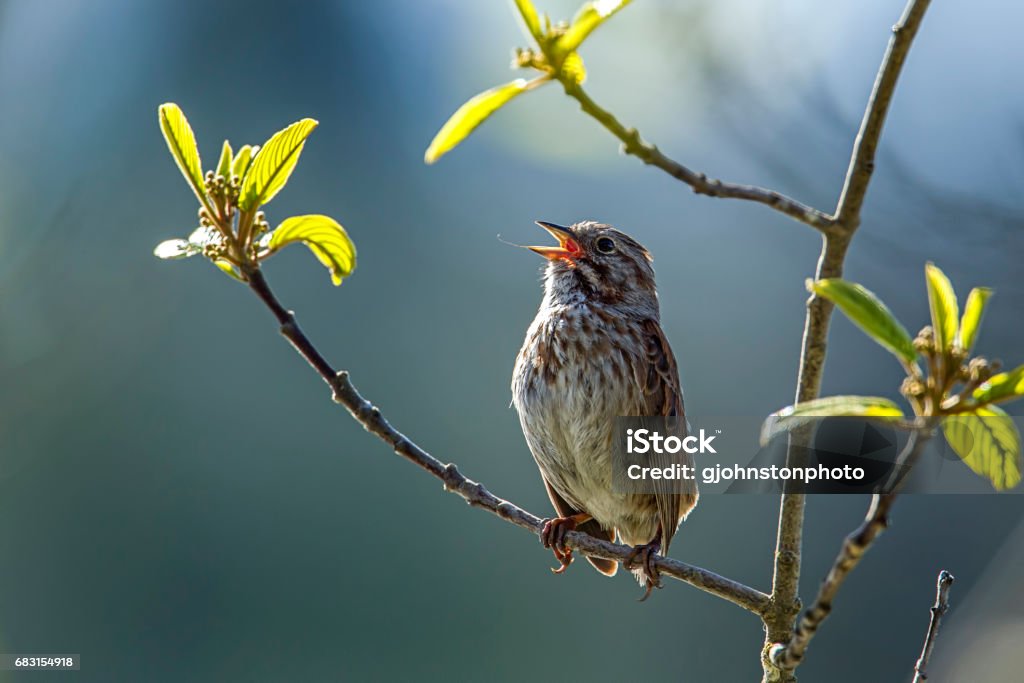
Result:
{"points": [[224, 191], [528, 58]]}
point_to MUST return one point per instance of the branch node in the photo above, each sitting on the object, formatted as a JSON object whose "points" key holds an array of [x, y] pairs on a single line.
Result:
{"points": [[786, 557], [452, 479], [339, 385]]}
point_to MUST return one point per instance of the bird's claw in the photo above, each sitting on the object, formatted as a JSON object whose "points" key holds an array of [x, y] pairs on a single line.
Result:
{"points": [[552, 535], [642, 558]]}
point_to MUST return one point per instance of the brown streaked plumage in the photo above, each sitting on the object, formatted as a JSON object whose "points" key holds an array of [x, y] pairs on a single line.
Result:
{"points": [[596, 351]]}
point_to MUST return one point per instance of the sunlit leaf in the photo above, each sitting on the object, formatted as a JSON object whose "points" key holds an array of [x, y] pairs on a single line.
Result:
{"points": [[791, 417], [528, 13], [869, 313], [243, 159], [273, 164], [229, 268], [224, 165], [989, 443], [589, 17], [324, 237], [206, 236], [974, 311], [1005, 386], [175, 249], [944, 307], [470, 115], [573, 68], [182, 143]]}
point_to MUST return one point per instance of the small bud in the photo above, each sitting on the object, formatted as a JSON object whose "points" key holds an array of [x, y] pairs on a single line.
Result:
{"points": [[979, 370], [925, 340], [523, 58], [912, 387]]}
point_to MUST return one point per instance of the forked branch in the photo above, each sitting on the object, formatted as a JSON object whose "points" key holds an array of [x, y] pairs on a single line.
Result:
{"points": [[835, 243], [787, 656]]}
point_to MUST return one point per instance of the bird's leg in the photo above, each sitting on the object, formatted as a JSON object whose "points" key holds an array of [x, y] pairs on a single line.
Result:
{"points": [[552, 535], [642, 558]]}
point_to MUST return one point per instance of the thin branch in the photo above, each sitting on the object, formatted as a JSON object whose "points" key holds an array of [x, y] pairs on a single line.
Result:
{"points": [[634, 144], [785, 605], [474, 493], [942, 586], [787, 656], [862, 161], [835, 243]]}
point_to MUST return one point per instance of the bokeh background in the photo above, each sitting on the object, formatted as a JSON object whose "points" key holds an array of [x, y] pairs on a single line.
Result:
{"points": [[179, 498]]}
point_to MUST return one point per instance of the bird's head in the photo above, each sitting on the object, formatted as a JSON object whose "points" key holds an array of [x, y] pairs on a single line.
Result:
{"points": [[596, 262]]}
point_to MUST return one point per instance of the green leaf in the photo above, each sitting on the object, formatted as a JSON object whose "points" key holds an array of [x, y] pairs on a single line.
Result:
{"points": [[989, 443], [182, 143], [1005, 386], [229, 268], [325, 238], [791, 417], [974, 310], [944, 307], [530, 19], [470, 115], [224, 165], [242, 160], [273, 164], [869, 313], [589, 17], [175, 249]]}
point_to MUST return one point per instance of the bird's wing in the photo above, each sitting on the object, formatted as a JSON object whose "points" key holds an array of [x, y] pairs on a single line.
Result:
{"points": [[658, 377]]}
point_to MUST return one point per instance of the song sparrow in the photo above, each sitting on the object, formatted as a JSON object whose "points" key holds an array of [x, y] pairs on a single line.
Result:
{"points": [[595, 351]]}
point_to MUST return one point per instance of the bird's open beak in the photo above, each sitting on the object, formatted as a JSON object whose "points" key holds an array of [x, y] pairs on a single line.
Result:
{"points": [[567, 247]]}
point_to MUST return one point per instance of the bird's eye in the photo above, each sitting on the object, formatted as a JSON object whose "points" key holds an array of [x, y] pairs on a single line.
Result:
{"points": [[605, 245]]}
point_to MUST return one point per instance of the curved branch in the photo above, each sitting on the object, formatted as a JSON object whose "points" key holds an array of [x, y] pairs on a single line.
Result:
{"points": [[648, 153], [474, 493]]}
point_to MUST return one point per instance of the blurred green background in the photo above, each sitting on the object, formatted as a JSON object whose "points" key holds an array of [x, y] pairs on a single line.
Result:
{"points": [[179, 498]]}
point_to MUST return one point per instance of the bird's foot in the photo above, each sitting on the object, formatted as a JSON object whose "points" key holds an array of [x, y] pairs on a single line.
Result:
{"points": [[641, 561], [552, 535]]}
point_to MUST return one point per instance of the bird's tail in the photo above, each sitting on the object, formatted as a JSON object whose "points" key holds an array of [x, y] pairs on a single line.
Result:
{"points": [[606, 567]]}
